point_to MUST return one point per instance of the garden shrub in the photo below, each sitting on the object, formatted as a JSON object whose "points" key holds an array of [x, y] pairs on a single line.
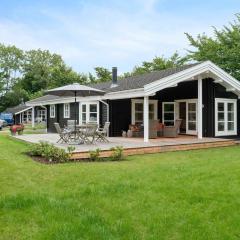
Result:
{"points": [[94, 155], [117, 153], [50, 152]]}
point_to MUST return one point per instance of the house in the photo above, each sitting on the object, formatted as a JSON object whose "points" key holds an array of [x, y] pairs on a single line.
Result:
{"points": [[204, 96], [23, 114]]}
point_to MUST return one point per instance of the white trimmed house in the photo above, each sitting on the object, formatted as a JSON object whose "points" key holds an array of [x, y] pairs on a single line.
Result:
{"points": [[204, 96]]}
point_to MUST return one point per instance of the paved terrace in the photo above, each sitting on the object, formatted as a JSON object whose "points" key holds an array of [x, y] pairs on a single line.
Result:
{"points": [[126, 143]]}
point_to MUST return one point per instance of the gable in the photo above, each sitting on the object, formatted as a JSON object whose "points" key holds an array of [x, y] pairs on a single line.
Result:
{"points": [[204, 70]]}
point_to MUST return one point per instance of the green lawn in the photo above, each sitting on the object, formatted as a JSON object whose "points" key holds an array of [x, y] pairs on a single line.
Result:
{"points": [[182, 195]]}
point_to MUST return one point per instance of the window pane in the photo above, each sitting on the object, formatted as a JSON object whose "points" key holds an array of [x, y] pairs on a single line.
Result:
{"points": [[151, 107], [192, 126], [192, 107], [230, 107], [220, 106], [230, 126], [231, 116], [220, 126], [93, 117], [138, 107], [221, 116], [83, 108], [139, 116], [169, 107], [84, 117], [93, 107], [192, 116], [151, 116], [168, 116]]}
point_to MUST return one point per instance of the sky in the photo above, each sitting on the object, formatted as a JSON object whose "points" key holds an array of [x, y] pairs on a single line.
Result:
{"points": [[110, 33]]}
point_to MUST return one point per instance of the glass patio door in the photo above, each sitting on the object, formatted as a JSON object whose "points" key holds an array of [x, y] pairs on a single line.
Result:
{"points": [[191, 118]]}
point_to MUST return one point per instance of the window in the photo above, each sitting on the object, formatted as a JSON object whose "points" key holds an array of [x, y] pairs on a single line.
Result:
{"points": [[192, 117], [52, 111], [66, 110], [225, 117], [27, 116], [41, 115], [137, 110], [168, 113], [89, 112]]}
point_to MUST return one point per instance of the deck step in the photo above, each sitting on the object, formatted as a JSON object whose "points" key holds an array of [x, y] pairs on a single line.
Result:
{"points": [[160, 149]]}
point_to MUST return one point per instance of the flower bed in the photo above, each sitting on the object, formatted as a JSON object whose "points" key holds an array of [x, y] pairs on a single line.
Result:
{"points": [[14, 129]]}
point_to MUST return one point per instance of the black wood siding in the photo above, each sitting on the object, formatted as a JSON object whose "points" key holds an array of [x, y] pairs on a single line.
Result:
{"points": [[185, 90], [59, 116], [120, 110]]}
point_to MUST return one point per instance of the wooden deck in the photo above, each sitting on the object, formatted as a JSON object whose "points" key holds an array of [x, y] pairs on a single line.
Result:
{"points": [[167, 147], [135, 146]]}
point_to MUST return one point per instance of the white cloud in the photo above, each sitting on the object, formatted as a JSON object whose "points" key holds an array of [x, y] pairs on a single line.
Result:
{"points": [[94, 35]]}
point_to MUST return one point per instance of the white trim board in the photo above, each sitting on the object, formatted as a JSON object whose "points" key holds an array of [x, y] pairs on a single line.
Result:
{"points": [[26, 109]]}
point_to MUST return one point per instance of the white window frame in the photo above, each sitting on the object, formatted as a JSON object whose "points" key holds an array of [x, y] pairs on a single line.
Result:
{"points": [[27, 116], [52, 111], [66, 114], [88, 111], [134, 101], [226, 132], [174, 111], [41, 113]]}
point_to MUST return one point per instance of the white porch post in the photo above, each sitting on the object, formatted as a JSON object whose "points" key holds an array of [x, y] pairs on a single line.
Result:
{"points": [[33, 117], [199, 127], [146, 118]]}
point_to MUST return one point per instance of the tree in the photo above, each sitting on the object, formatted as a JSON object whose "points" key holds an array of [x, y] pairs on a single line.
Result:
{"points": [[43, 70], [158, 63], [11, 59], [103, 74], [13, 98], [222, 49]]}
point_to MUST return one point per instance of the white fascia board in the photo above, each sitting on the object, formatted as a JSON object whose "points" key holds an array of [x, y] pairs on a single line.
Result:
{"points": [[64, 100], [22, 110], [133, 93], [190, 73]]}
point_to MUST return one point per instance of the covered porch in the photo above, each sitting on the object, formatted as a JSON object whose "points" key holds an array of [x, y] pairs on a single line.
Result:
{"points": [[204, 99]]}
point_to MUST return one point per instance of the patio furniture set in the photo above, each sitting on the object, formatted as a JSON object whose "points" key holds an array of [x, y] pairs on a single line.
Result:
{"points": [[88, 133], [156, 129]]}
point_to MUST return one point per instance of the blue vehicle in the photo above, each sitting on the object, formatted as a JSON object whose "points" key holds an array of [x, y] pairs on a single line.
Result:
{"points": [[8, 117]]}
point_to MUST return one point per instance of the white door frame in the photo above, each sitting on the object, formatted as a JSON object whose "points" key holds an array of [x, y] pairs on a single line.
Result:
{"points": [[194, 100]]}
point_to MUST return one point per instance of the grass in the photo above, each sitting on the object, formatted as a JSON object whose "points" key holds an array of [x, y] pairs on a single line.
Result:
{"points": [[178, 195]]}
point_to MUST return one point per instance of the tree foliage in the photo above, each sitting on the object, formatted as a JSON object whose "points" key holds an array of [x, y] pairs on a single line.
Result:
{"points": [[10, 66], [27, 74], [223, 48], [103, 74], [158, 63]]}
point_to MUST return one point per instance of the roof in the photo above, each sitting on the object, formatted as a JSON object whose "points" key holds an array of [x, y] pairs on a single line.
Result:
{"points": [[149, 83], [139, 81], [128, 83], [75, 89], [17, 109]]}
